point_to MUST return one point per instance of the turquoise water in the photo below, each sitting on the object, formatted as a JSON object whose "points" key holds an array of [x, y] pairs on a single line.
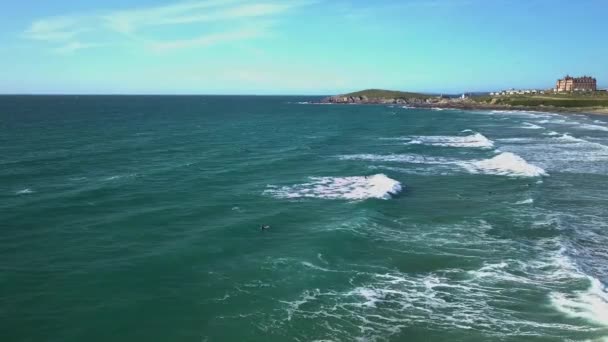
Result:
{"points": [[137, 219]]}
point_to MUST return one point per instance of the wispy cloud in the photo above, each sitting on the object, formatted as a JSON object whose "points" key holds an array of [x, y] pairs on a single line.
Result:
{"points": [[56, 29], [207, 40], [127, 21], [192, 12], [234, 18], [74, 46], [356, 11]]}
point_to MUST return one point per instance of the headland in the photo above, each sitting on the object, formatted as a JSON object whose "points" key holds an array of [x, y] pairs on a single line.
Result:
{"points": [[595, 102]]}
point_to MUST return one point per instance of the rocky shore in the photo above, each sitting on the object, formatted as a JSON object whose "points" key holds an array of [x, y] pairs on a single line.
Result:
{"points": [[451, 103]]}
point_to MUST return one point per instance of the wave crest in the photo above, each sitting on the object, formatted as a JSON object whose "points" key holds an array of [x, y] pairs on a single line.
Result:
{"points": [[505, 164], [474, 140], [352, 188]]}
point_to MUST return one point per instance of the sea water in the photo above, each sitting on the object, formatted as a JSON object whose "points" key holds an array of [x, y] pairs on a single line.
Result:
{"points": [[136, 218]]}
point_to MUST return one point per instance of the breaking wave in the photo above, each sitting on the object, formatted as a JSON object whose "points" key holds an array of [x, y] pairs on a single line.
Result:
{"points": [[399, 158], [475, 140], [384, 301], [569, 138], [593, 127], [561, 152], [351, 188], [590, 304], [528, 125], [504, 164]]}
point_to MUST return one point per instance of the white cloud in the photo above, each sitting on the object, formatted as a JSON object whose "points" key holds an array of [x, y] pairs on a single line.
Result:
{"points": [[236, 16], [193, 12], [128, 21], [207, 40], [74, 46], [54, 29]]}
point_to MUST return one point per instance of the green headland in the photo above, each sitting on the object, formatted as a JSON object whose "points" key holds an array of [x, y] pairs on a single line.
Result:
{"points": [[591, 101]]}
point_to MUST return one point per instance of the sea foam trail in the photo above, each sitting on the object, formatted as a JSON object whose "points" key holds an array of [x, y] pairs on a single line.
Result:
{"points": [[351, 188], [593, 127], [475, 140], [504, 164], [568, 138], [384, 302], [397, 158], [590, 304]]}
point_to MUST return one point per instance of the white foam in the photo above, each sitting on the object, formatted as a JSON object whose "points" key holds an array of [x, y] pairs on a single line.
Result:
{"points": [[499, 272], [569, 138], [591, 305], [504, 164], [24, 192], [528, 201], [516, 140], [352, 188], [529, 114], [399, 158], [117, 177], [563, 153], [557, 269], [315, 267], [476, 140], [559, 122], [593, 127], [76, 179], [383, 301], [528, 125]]}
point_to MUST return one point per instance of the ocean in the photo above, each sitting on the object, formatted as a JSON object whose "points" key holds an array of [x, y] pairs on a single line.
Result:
{"points": [[137, 218]]}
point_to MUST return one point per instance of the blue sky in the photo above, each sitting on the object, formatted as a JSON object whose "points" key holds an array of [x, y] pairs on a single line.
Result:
{"points": [[297, 46]]}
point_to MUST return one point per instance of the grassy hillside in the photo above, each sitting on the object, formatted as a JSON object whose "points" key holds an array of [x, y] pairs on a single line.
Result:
{"points": [[387, 94], [599, 99]]}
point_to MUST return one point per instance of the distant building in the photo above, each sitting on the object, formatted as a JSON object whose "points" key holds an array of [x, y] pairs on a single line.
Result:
{"points": [[517, 92], [584, 83]]}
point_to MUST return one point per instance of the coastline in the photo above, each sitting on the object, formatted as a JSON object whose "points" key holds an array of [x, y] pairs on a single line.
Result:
{"points": [[544, 109], [460, 104]]}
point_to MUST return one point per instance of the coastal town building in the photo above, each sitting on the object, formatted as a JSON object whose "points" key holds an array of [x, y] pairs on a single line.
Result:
{"points": [[517, 92], [568, 83]]}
